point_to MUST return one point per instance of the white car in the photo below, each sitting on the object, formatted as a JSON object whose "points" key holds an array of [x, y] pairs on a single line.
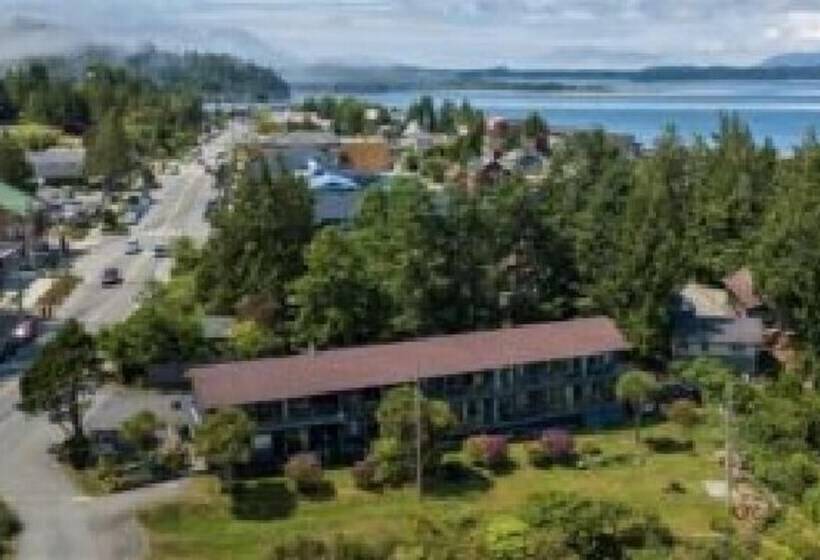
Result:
{"points": [[130, 218], [132, 247]]}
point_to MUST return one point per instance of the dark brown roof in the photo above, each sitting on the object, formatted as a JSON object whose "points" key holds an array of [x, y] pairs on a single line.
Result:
{"points": [[367, 156], [381, 365]]}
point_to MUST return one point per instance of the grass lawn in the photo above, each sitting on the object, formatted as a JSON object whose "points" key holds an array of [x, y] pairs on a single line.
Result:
{"points": [[207, 524]]}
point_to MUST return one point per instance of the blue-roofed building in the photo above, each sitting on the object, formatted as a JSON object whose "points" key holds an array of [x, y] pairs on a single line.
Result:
{"points": [[336, 195]]}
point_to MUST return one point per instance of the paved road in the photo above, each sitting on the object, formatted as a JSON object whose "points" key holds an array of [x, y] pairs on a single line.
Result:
{"points": [[59, 522], [178, 210]]}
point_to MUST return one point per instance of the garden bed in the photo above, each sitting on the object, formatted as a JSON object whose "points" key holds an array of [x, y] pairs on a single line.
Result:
{"points": [[208, 523]]}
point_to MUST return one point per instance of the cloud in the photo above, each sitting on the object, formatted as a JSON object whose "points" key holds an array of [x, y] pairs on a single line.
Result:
{"points": [[433, 32]]}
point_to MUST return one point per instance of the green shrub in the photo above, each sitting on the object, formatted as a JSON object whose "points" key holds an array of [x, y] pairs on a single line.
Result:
{"points": [[505, 538], [596, 528], [536, 455], [174, 459], [811, 503], [9, 526], [788, 476], [109, 474], [338, 548], [391, 464], [589, 448]]}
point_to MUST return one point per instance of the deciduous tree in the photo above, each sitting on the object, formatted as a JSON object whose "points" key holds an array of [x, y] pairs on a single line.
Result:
{"points": [[224, 439], [60, 379], [635, 388]]}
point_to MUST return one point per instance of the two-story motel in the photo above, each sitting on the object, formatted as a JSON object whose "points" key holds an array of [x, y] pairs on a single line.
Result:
{"points": [[511, 380]]}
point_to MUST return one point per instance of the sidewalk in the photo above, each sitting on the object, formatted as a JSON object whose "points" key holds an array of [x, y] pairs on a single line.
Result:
{"points": [[34, 291]]}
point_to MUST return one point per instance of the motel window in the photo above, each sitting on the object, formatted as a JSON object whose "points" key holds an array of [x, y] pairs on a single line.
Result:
{"points": [[577, 366], [556, 398], [472, 411], [266, 412], [506, 409], [578, 394], [536, 401], [595, 365], [704, 346], [535, 374], [505, 378], [262, 442], [299, 408]]}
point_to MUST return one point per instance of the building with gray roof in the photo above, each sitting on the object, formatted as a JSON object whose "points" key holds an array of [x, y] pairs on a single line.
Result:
{"points": [[705, 324]]}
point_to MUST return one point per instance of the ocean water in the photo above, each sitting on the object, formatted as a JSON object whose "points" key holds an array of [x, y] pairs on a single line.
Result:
{"points": [[783, 111]]}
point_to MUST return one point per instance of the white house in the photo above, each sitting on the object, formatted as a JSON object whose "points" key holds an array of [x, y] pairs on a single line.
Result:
{"points": [[58, 165]]}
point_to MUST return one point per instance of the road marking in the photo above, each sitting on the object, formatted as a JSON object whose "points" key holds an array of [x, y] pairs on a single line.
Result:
{"points": [[82, 499]]}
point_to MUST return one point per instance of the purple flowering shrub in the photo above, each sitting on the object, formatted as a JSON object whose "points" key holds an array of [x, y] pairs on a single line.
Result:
{"points": [[555, 446], [491, 451]]}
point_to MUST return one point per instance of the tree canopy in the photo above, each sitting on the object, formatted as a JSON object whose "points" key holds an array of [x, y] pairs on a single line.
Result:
{"points": [[62, 376], [257, 247], [403, 423], [14, 169]]}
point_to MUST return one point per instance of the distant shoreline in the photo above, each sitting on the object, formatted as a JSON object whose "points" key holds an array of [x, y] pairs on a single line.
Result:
{"points": [[354, 88]]}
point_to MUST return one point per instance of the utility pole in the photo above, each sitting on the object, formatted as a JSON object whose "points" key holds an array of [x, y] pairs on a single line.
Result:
{"points": [[728, 461], [418, 437]]}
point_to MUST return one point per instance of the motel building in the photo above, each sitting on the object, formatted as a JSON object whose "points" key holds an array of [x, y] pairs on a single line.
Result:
{"points": [[513, 380]]}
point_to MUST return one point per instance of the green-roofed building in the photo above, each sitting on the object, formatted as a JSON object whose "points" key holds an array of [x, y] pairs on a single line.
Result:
{"points": [[21, 224], [17, 202]]}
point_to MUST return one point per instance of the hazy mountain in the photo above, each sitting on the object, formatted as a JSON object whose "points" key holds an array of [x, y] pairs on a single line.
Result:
{"points": [[215, 76], [800, 59], [24, 37]]}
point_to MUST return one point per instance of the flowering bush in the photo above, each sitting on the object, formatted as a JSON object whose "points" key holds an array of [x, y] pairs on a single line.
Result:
{"points": [[364, 474], [559, 445], [554, 446], [489, 451], [305, 470]]}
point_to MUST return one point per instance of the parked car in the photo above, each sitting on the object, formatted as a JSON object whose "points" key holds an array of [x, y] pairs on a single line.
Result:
{"points": [[130, 218], [132, 247], [161, 251], [111, 276], [25, 331]]}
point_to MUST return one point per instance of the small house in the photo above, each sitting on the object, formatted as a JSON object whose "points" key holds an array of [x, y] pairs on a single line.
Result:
{"points": [[115, 405], [292, 151], [58, 165], [705, 324]]}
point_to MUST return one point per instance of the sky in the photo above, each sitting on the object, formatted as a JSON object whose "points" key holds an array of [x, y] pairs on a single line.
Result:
{"points": [[437, 33]]}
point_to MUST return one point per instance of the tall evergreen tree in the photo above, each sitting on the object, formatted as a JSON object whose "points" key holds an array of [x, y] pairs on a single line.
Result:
{"points": [[338, 302], [258, 244], [650, 259], [787, 258], [14, 169], [108, 152]]}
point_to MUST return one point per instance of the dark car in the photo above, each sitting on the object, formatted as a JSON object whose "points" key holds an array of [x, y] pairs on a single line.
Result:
{"points": [[161, 251], [111, 276]]}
